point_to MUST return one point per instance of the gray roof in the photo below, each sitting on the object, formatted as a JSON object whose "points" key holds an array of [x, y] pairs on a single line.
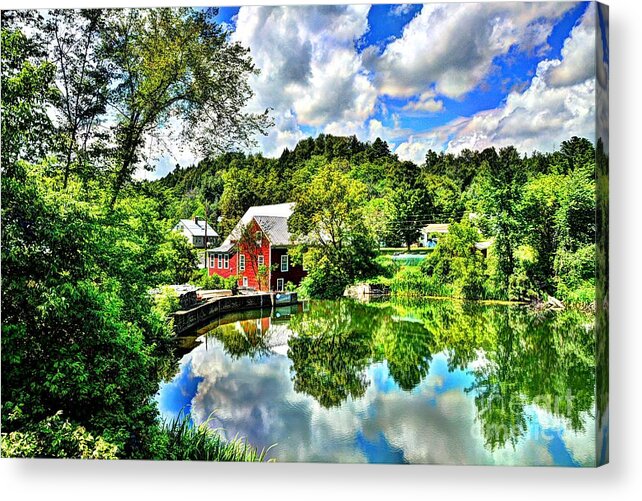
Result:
{"points": [[283, 211], [484, 245], [275, 229], [198, 229]]}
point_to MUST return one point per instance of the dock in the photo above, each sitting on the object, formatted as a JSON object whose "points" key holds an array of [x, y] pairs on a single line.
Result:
{"points": [[216, 306]]}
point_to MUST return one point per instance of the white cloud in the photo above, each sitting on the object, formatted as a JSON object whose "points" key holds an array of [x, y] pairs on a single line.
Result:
{"points": [[452, 46], [558, 103], [578, 53], [401, 9], [311, 73], [415, 148], [425, 102]]}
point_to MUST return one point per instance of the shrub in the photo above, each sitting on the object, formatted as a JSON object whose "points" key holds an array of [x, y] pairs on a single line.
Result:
{"points": [[411, 282], [166, 301], [56, 438], [202, 278]]}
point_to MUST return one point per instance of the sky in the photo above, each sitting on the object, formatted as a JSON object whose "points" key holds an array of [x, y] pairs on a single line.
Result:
{"points": [[436, 76]]}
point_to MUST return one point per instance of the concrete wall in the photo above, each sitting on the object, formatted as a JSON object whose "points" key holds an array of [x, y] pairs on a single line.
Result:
{"points": [[188, 319]]}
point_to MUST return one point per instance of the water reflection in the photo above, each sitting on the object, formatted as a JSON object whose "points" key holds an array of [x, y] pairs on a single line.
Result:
{"points": [[435, 382]]}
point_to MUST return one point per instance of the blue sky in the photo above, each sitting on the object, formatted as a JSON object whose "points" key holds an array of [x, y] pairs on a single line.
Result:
{"points": [[439, 76]]}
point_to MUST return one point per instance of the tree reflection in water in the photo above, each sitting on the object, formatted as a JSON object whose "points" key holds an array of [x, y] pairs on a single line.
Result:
{"points": [[517, 357]]}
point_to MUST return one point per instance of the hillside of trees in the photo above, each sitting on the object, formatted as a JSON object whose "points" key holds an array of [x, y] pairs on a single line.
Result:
{"points": [[538, 210]]}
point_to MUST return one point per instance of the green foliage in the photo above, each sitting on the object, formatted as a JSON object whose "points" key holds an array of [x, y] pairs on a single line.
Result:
{"points": [[329, 216], [180, 440], [56, 438], [412, 282], [166, 301], [27, 91], [457, 262], [203, 279], [178, 259], [79, 333]]}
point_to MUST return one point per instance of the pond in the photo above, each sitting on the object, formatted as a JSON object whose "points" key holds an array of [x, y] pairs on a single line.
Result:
{"points": [[434, 381]]}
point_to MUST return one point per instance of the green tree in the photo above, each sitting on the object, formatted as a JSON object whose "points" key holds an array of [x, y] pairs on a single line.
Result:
{"points": [[178, 63], [73, 37], [329, 216], [457, 261], [28, 89], [501, 192]]}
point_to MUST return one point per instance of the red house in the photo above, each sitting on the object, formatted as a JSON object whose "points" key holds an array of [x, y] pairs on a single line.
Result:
{"points": [[256, 251]]}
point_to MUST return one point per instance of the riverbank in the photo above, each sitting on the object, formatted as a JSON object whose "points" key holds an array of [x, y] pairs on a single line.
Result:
{"points": [[380, 290]]}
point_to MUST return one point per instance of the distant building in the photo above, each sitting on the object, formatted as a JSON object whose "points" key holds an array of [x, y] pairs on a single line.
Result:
{"points": [[429, 238], [194, 230], [260, 241], [426, 238]]}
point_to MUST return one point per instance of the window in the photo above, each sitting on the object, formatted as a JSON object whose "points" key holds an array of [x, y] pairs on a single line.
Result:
{"points": [[226, 261], [212, 260], [280, 284], [284, 263], [261, 261], [242, 262], [244, 281], [220, 261], [259, 237]]}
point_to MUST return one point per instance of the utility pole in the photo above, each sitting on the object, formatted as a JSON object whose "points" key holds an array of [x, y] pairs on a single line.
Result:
{"points": [[206, 254]]}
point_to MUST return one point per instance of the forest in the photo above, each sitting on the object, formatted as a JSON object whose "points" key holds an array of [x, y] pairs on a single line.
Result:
{"points": [[84, 344], [538, 210]]}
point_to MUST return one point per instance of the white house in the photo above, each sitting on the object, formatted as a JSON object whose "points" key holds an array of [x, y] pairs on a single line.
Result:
{"points": [[194, 230]]}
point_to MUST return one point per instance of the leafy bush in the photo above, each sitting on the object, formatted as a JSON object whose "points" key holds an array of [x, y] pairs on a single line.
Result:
{"points": [[56, 438], [166, 301], [411, 282], [521, 285], [456, 262], [323, 282], [202, 278]]}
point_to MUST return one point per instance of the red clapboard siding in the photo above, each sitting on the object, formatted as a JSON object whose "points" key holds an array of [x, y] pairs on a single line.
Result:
{"points": [[271, 256], [294, 274]]}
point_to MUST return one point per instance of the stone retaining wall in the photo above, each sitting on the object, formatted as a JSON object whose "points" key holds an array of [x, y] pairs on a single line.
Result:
{"points": [[188, 319]]}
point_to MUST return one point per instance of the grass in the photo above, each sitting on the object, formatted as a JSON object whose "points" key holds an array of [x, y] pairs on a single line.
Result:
{"points": [[403, 250], [410, 281], [201, 443]]}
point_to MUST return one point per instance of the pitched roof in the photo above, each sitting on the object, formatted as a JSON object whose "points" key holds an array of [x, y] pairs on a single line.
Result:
{"points": [[279, 211], [275, 229], [197, 228], [436, 228]]}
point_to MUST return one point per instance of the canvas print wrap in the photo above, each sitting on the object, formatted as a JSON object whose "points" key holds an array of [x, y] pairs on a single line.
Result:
{"points": [[347, 233]]}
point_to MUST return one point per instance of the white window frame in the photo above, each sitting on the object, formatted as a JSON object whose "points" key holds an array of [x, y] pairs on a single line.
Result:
{"points": [[258, 236], [220, 261], [285, 268], [241, 262], [212, 260], [282, 280], [260, 261], [245, 282], [226, 261]]}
